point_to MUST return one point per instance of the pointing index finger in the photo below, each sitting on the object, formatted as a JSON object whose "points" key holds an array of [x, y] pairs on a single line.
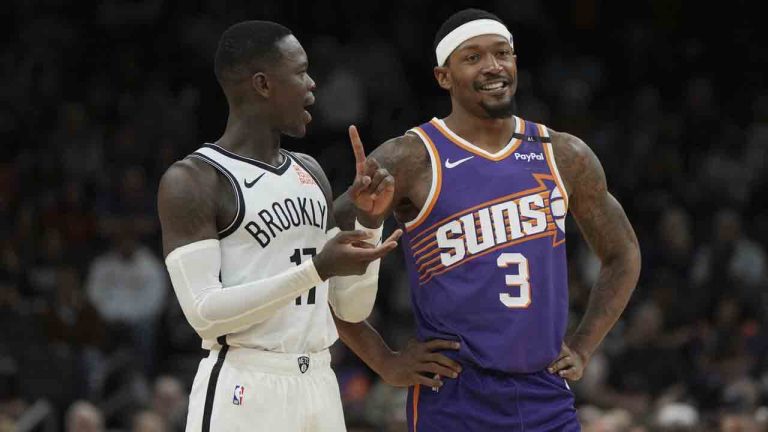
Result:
{"points": [[357, 148]]}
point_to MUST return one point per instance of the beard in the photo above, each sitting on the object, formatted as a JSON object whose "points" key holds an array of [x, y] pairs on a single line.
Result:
{"points": [[501, 111]]}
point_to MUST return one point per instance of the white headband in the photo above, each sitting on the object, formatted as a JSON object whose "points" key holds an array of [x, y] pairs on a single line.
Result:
{"points": [[467, 31]]}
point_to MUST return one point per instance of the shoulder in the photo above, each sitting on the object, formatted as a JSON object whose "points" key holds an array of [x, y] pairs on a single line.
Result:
{"points": [[568, 145], [406, 143], [401, 154], [309, 162], [576, 162], [185, 179]]}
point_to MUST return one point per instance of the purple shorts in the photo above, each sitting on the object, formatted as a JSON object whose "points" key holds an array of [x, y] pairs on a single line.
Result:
{"points": [[482, 400]]}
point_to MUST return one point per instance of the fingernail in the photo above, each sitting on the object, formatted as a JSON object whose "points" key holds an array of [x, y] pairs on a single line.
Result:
{"points": [[454, 374], [561, 373], [456, 345], [550, 370]]}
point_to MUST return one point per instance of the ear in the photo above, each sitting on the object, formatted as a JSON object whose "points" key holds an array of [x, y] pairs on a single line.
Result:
{"points": [[443, 77], [260, 84]]}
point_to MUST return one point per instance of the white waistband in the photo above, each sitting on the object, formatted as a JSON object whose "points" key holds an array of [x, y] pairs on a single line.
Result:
{"points": [[276, 362]]}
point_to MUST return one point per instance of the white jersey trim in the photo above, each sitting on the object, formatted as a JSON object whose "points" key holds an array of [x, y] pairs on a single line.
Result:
{"points": [[240, 214], [551, 156]]}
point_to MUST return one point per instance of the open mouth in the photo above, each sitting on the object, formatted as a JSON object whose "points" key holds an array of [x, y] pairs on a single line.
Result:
{"points": [[307, 104], [495, 86]]}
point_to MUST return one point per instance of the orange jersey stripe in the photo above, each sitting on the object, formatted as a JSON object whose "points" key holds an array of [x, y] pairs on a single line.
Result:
{"points": [[416, 391], [551, 163], [542, 187], [544, 209], [438, 167], [432, 272], [421, 258]]}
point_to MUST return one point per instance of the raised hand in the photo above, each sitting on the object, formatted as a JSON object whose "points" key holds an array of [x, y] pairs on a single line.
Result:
{"points": [[348, 254], [373, 188]]}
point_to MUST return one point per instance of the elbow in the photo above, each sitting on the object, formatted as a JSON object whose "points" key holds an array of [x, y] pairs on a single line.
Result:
{"points": [[626, 262]]}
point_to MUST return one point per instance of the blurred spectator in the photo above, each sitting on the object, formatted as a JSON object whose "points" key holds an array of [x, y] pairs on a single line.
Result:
{"points": [[73, 322], [738, 423], [128, 286], [731, 261], [78, 144], [71, 318], [673, 245], [677, 417], [99, 101], [83, 416], [169, 402], [148, 421]]}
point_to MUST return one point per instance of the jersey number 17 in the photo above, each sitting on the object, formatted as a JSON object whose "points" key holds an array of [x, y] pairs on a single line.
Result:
{"points": [[296, 259]]}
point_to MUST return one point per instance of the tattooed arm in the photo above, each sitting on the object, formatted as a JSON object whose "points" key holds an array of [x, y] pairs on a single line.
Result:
{"points": [[407, 160], [605, 227]]}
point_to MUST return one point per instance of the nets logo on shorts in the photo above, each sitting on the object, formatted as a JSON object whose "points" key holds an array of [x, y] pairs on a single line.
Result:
{"points": [[303, 363], [239, 395]]}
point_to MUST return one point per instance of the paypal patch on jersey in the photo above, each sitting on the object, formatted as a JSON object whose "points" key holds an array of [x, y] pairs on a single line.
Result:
{"points": [[486, 256]]}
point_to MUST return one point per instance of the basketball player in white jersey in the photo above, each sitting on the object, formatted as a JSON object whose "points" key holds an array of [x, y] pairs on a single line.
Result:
{"points": [[250, 244]]}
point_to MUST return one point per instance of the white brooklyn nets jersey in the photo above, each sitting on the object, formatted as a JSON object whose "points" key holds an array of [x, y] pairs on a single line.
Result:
{"points": [[281, 222]]}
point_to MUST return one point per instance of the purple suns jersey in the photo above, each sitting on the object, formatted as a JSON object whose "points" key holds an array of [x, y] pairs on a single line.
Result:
{"points": [[486, 254]]}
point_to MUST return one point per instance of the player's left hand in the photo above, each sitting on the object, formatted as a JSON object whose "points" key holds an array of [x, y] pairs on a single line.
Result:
{"points": [[569, 364], [373, 188]]}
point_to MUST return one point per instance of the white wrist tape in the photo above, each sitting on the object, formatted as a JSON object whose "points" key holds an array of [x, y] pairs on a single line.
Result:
{"points": [[375, 233], [352, 297], [213, 310], [466, 31]]}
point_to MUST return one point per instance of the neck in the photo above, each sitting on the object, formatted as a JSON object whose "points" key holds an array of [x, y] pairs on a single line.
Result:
{"points": [[248, 134], [490, 134]]}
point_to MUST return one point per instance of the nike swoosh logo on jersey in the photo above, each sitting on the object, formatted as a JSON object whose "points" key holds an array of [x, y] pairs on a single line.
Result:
{"points": [[250, 184], [449, 164]]}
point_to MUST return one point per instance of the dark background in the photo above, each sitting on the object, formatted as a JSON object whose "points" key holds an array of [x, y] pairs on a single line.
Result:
{"points": [[98, 98]]}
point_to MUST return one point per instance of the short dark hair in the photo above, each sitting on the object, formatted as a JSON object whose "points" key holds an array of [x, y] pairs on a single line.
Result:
{"points": [[459, 18], [245, 46]]}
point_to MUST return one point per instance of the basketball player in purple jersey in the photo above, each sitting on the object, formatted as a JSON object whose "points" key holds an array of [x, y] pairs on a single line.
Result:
{"points": [[482, 196]]}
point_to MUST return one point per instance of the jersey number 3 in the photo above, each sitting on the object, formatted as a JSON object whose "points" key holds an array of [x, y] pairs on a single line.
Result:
{"points": [[523, 300], [296, 259]]}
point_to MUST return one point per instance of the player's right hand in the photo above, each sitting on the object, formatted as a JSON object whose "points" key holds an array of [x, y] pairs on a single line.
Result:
{"points": [[347, 253], [421, 363]]}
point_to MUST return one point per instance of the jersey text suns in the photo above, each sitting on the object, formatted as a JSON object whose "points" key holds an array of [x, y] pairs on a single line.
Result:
{"points": [[486, 254], [490, 226]]}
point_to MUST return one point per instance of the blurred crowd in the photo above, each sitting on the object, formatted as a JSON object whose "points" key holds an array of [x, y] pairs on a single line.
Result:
{"points": [[99, 98]]}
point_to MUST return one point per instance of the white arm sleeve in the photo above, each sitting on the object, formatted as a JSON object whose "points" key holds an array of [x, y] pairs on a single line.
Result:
{"points": [[352, 297], [214, 310]]}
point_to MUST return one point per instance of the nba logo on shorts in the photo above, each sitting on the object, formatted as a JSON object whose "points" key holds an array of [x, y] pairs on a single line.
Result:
{"points": [[303, 363], [237, 398]]}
